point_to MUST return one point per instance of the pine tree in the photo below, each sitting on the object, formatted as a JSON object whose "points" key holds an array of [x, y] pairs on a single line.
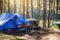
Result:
{"points": [[27, 14], [32, 8], [38, 8], [50, 13], [23, 8], [8, 6], [1, 2], [4, 5], [14, 6], [53, 8], [44, 13], [56, 10], [20, 7]]}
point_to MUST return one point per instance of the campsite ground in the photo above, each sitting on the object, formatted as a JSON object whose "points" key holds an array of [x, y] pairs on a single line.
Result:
{"points": [[32, 36]]}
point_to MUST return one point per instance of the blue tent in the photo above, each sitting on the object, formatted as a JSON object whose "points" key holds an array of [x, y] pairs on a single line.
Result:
{"points": [[7, 20], [8, 24], [21, 20], [5, 16]]}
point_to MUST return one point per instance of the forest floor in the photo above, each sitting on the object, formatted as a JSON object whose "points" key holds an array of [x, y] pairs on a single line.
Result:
{"points": [[32, 36]]}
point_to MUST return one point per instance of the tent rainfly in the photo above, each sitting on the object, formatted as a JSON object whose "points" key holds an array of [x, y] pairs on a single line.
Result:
{"points": [[10, 20]]}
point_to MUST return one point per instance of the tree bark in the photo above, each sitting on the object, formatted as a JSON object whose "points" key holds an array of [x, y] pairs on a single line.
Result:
{"points": [[38, 8], [53, 8], [8, 6], [56, 10], [44, 13], [24, 8], [50, 14], [27, 14], [1, 2], [14, 6], [20, 8], [32, 8], [4, 5]]}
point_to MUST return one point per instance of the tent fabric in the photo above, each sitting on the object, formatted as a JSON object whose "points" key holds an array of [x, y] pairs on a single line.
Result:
{"points": [[5, 16], [19, 20], [9, 24], [1, 22], [58, 25], [8, 19]]}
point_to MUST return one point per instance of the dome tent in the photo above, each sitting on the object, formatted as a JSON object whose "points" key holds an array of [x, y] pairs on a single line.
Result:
{"points": [[56, 25], [20, 19], [7, 20], [8, 24]]}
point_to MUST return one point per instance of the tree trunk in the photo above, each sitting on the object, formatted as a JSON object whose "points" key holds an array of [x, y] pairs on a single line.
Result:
{"points": [[24, 8], [32, 8], [20, 7], [50, 13], [53, 8], [1, 2], [56, 10], [4, 5], [8, 6], [14, 6], [44, 13], [38, 8], [27, 14]]}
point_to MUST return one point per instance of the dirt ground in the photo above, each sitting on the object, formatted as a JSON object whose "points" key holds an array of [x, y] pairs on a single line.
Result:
{"points": [[41, 36], [32, 36]]}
